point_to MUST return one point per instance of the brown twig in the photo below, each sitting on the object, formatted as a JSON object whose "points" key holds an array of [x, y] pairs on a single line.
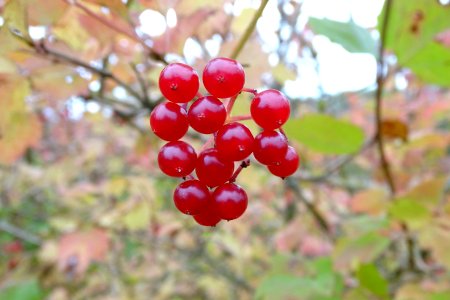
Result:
{"points": [[378, 100], [43, 51], [323, 224], [339, 164]]}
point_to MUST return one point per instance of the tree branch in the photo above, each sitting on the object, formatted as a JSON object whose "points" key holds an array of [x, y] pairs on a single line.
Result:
{"points": [[323, 224], [378, 101], [249, 30], [336, 166], [43, 51], [129, 33], [19, 233]]}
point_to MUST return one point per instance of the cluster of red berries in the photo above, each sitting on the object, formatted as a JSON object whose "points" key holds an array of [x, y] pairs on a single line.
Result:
{"points": [[232, 141]]}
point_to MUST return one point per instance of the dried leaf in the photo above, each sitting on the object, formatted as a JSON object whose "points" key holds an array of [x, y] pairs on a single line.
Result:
{"points": [[79, 249], [394, 129]]}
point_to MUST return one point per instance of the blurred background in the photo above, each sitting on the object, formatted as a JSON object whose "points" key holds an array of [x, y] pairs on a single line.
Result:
{"points": [[85, 212]]}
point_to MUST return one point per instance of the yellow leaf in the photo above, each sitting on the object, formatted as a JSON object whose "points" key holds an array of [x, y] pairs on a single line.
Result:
{"points": [[19, 128], [69, 30], [15, 16], [372, 202], [281, 73], [138, 217]]}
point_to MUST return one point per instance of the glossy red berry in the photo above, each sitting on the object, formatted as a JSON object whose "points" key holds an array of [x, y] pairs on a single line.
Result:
{"points": [[191, 197], [270, 109], [169, 121], [211, 169], [208, 217], [270, 147], [288, 165], [234, 141], [223, 77], [178, 82], [207, 114], [230, 200], [177, 159]]}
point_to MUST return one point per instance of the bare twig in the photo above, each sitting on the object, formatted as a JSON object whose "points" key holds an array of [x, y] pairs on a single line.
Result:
{"points": [[378, 101], [293, 185], [43, 51], [129, 33], [143, 86], [337, 165], [249, 30], [19, 233]]}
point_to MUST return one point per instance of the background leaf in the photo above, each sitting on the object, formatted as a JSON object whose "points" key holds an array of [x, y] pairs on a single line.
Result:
{"points": [[349, 35], [325, 134]]}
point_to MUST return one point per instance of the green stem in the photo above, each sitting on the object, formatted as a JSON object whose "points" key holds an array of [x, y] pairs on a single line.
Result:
{"points": [[249, 30]]}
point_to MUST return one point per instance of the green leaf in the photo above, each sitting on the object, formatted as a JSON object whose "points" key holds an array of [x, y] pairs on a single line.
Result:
{"points": [[412, 31], [319, 281], [370, 278], [411, 212], [29, 290], [349, 35], [350, 251], [325, 134]]}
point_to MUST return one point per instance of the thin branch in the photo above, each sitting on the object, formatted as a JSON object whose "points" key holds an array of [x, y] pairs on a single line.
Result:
{"points": [[143, 86], [129, 33], [378, 101], [249, 30], [339, 164], [19, 233], [323, 224], [46, 52]]}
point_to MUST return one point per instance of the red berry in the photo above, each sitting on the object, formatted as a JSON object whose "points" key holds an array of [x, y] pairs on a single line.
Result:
{"points": [[209, 217], [270, 147], [223, 77], [207, 114], [270, 109], [230, 200], [169, 121], [191, 197], [178, 83], [234, 141], [288, 164], [177, 159], [211, 170]]}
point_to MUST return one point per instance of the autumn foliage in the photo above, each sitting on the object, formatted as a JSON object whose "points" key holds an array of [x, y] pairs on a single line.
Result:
{"points": [[85, 212]]}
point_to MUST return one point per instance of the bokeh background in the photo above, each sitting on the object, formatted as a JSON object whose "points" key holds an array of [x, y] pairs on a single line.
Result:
{"points": [[85, 212]]}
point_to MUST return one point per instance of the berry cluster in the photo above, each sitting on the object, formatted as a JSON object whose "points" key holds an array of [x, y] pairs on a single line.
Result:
{"points": [[214, 196]]}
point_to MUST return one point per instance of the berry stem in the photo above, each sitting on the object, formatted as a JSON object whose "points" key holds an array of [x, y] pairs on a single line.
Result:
{"points": [[208, 143], [282, 132], [240, 118], [189, 177], [244, 164], [230, 104], [251, 91]]}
